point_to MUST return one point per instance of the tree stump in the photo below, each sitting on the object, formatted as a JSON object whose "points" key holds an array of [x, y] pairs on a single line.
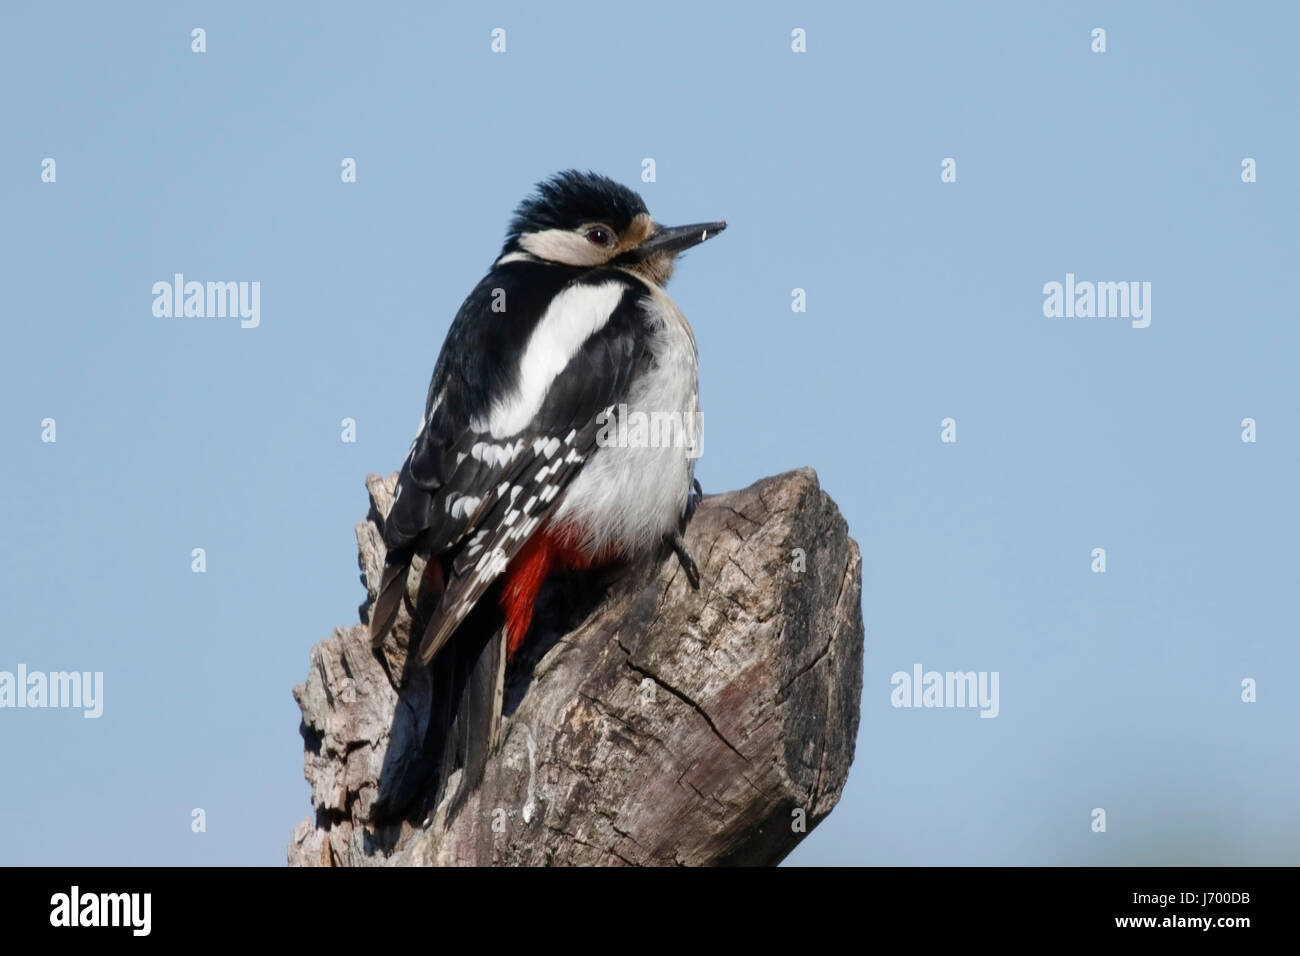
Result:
{"points": [[646, 723]]}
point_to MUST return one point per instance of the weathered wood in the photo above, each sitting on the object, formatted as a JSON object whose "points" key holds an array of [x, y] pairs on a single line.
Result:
{"points": [[650, 724]]}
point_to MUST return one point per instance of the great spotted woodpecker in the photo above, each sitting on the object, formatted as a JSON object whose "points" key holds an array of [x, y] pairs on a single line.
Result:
{"points": [[513, 473]]}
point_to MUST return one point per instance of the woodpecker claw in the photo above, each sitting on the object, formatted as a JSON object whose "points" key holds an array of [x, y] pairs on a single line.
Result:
{"points": [[686, 561], [693, 497]]}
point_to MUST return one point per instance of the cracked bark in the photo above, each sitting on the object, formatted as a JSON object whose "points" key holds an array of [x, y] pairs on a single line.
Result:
{"points": [[646, 723]]}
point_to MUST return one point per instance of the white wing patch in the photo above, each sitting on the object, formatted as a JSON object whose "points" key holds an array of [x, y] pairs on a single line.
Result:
{"points": [[577, 313], [513, 520], [546, 446], [461, 506], [496, 455]]}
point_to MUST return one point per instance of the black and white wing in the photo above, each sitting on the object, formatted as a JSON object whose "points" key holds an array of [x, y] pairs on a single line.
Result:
{"points": [[484, 473]]}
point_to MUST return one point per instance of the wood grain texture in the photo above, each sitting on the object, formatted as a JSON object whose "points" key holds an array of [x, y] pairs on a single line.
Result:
{"points": [[646, 723]]}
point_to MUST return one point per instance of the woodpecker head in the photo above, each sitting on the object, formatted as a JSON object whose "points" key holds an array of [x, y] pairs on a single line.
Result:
{"points": [[587, 220]]}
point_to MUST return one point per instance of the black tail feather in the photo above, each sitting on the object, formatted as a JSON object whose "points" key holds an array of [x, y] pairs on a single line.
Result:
{"points": [[392, 587], [468, 683], [479, 713]]}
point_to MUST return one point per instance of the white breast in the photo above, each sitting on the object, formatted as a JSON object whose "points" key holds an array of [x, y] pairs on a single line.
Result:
{"points": [[633, 490]]}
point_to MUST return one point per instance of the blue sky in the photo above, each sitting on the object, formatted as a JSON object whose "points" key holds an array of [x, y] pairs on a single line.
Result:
{"points": [[1119, 690]]}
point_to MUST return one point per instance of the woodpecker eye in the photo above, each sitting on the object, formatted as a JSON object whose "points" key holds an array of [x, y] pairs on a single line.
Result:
{"points": [[599, 236]]}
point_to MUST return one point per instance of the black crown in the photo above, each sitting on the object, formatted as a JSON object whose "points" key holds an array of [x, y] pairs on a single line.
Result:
{"points": [[571, 198]]}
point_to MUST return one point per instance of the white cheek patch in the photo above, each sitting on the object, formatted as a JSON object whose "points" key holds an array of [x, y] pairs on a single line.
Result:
{"points": [[577, 313], [561, 245]]}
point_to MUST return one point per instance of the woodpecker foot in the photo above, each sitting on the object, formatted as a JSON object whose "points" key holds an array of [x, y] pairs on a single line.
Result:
{"points": [[686, 561], [693, 498]]}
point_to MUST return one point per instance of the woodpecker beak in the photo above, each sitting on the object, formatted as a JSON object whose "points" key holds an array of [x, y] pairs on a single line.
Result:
{"points": [[675, 239]]}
